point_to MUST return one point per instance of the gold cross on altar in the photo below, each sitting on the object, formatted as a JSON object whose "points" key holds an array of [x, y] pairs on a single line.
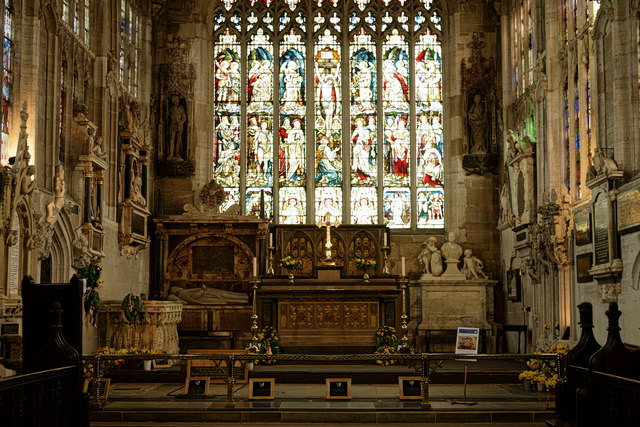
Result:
{"points": [[327, 253]]}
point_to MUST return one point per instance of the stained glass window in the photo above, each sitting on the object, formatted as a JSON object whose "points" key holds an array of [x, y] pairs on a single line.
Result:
{"points": [[342, 99], [130, 44], [7, 79]]}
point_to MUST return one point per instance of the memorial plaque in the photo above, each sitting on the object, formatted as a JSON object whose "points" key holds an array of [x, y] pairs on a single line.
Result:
{"points": [[629, 209], [213, 260], [196, 385], [216, 370], [583, 228], [410, 387], [262, 388], [601, 229], [584, 263], [338, 388]]}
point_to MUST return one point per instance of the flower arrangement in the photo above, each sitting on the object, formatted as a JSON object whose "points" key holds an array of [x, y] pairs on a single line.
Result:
{"points": [[544, 372], [291, 263], [365, 264], [117, 363], [387, 342], [268, 343], [131, 307], [91, 273]]}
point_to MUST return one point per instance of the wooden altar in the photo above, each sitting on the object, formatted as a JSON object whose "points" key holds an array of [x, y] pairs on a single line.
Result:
{"points": [[329, 308]]}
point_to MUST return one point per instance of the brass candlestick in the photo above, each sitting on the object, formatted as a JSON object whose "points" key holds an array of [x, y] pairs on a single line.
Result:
{"points": [[254, 317], [405, 328]]}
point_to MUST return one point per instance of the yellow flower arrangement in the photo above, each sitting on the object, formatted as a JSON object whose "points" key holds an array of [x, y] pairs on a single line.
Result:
{"points": [[544, 372]]}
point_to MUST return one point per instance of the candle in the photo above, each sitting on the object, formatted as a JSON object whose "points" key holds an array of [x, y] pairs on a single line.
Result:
{"points": [[384, 239], [402, 264], [270, 240], [255, 266]]}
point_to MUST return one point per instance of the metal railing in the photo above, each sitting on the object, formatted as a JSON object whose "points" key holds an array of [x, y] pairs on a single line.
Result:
{"points": [[424, 365]]}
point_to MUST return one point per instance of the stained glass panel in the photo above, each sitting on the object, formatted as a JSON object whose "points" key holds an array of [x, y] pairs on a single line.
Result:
{"points": [[328, 119], [7, 80], [364, 205], [430, 208], [259, 200], [328, 204], [292, 142], [292, 205], [364, 98], [293, 110], [397, 207]]}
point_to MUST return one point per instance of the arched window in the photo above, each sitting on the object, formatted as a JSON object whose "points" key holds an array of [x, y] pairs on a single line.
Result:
{"points": [[7, 79], [336, 112], [130, 45]]}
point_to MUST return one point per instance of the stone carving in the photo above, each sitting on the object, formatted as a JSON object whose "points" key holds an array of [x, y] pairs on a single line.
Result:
{"points": [[430, 258], [477, 118], [59, 191], [174, 157], [452, 253], [17, 182], [212, 196], [602, 165], [206, 296], [177, 120], [81, 252], [42, 238], [506, 212], [472, 266], [478, 86]]}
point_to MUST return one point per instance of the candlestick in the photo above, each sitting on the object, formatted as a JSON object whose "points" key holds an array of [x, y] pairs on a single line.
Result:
{"points": [[384, 239], [402, 265], [255, 266]]}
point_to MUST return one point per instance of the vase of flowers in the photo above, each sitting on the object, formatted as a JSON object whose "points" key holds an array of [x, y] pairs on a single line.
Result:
{"points": [[365, 265], [268, 343], [543, 374], [291, 264]]}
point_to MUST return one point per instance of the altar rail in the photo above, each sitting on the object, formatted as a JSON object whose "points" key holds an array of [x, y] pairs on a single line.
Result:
{"points": [[424, 364], [45, 398]]}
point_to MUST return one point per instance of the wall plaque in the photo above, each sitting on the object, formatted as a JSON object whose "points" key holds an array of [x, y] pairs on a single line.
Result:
{"points": [[213, 260], [584, 263], [601, 228], [582, 223], [629, 209]]}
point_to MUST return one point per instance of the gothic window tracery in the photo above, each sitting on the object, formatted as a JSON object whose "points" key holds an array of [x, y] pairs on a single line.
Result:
{"points": [[341, 100]]}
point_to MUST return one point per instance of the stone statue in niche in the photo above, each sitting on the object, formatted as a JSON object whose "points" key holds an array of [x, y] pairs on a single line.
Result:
{"points": [[477, 119], [472, 266], [506, 213], [176, 129], [98, 150], [430, 257], [136, 190], [59, 190], [206, 296]]}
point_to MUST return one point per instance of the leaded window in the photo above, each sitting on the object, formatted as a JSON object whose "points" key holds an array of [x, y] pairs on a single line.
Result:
{"points": [[330, 109], [7, 79], [130, 45]]}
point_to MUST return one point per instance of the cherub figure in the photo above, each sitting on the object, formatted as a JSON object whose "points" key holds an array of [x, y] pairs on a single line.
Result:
{"points": [[472, 266]]}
